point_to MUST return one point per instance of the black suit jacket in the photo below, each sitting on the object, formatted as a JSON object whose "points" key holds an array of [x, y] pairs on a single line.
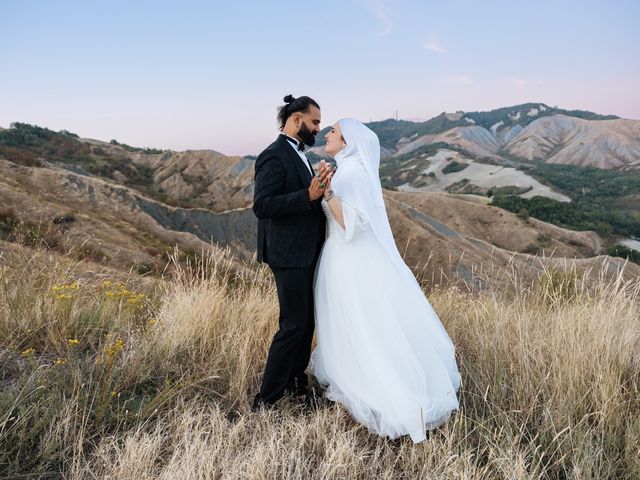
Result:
{"points": [[291, 228]]}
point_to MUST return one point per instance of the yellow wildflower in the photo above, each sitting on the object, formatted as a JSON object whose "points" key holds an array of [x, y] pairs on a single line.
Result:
{"points": [[114, 348], [73, 342], [59, 361], [118, 291], [28, 352]]}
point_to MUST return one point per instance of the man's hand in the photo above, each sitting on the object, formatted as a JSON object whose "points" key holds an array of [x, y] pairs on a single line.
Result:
{"points": [[318, 182]]}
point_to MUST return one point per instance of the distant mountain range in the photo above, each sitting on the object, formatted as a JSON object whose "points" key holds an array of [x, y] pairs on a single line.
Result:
{"points": [[128, 207], [528, 132]]}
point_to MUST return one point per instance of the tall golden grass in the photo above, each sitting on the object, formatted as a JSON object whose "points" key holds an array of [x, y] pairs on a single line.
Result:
{"points": [[133, 378]]}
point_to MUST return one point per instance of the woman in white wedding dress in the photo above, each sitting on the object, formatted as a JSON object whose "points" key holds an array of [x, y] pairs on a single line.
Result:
{"points": [[381, 349]]}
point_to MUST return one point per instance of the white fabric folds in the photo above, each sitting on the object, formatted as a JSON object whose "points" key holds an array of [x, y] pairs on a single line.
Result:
{"points": [[382, 351], [357, 184]]}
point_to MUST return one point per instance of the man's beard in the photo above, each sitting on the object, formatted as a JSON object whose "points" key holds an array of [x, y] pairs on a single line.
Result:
{"points": [[307, 136]]}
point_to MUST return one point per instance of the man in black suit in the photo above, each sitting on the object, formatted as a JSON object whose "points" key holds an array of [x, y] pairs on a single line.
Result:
{"points": [[291, 231]]}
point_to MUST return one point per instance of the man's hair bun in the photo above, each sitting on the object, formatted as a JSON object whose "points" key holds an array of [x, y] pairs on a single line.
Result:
{"points": [[293, 105]]}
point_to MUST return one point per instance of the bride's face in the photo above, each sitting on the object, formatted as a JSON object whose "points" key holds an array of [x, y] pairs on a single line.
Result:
{"points": [[334, 139]]}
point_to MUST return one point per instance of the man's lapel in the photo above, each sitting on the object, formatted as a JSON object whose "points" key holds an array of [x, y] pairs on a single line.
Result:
{"points": [[303, 172]]}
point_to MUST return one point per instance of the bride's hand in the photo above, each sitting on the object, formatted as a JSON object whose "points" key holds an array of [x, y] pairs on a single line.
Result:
{"points": [[327, 185]]}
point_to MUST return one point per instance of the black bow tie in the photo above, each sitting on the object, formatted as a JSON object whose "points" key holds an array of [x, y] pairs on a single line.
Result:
{"points": [[299, 145]]}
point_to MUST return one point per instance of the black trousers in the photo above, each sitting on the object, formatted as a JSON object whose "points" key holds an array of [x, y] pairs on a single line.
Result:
{"points": [[291, 346]]}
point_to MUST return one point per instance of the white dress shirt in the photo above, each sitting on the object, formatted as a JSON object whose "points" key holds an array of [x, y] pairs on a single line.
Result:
{"points": [[302, 156]]}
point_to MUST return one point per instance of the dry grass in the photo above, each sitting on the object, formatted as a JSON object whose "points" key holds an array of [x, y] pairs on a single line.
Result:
{"points": [[159, 386]]}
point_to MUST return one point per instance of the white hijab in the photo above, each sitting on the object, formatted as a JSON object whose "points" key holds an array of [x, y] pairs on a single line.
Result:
{"points": [[357, 184]]}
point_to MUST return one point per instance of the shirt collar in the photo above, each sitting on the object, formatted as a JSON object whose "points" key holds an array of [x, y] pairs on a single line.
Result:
{"points": [[291, 139]]}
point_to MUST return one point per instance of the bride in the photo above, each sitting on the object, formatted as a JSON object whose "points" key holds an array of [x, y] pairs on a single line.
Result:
{"points": [[381, 349]]}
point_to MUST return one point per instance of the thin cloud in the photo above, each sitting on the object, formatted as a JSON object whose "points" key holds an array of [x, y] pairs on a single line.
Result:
{"points": [[459, 80], [434, 46], [381, 10]]}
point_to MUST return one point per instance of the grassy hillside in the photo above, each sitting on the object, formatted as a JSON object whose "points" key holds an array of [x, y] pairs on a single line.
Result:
{"points": [[107, 376], [32, 146], [607, 201]]}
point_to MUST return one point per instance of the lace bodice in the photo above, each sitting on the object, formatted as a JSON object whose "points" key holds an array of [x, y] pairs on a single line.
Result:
{"points": [[332, 224], [355, 224]]}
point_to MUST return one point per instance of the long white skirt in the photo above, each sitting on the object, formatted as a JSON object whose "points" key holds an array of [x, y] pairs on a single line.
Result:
{"points": [[381, 349]]}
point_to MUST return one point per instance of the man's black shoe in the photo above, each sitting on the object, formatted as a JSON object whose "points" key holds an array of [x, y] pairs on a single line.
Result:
{"points": [[296, 388], [259, 404], [297, 393], [313, 400]]}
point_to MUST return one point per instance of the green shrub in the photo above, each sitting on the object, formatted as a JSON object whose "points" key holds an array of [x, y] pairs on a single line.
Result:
{"points": [[144, 268], [454, 166], [523, 214], [624, 252], [568, 214]]}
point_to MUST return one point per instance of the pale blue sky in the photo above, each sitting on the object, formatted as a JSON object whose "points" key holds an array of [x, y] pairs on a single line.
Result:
{"points": [[196, 74]]}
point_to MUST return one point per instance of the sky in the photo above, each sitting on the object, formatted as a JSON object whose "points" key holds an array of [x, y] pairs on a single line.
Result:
{"points": [[211, 74]]}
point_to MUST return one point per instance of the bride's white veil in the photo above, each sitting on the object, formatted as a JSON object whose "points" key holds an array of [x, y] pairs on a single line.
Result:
{"points": [[357, 184]]}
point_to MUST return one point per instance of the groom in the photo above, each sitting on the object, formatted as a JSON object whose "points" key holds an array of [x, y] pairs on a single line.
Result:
{"points": [[291, 231]]}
